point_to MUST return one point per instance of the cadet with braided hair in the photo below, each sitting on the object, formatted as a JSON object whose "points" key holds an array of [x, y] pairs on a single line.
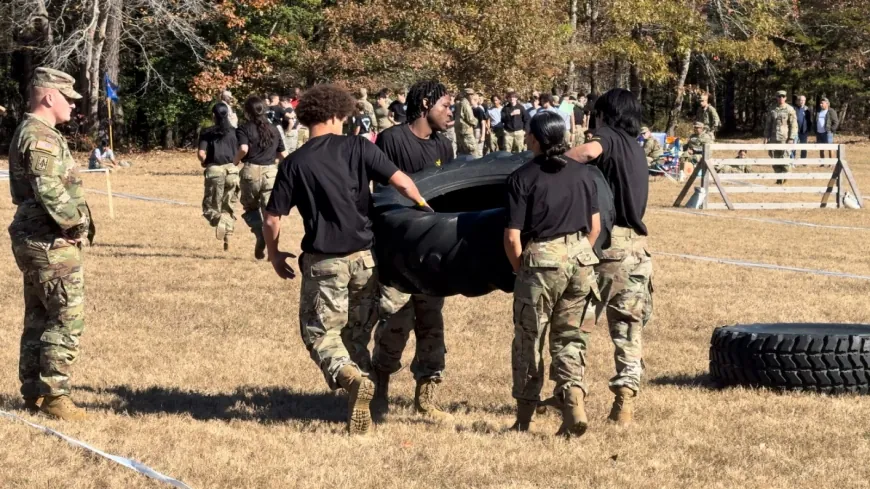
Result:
{"points": [[553, 220], [260, 146], [413, 147]]}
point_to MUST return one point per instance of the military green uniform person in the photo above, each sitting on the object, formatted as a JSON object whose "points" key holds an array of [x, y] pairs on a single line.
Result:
{"points": [[260, 145], [694, 149], [552, 220], [626, 269], [652, 148], [338, 297], [47, 231], [707, 114], [413, 147], [217, 147], [780, 127], [466, 144]]}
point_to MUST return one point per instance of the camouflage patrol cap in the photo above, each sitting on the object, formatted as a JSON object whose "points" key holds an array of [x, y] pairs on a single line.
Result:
{"points": [[51, 78], [699, 124], [781, 93]]}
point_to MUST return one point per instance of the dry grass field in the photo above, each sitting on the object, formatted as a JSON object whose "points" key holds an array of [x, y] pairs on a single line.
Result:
{"points": [[192, 364]]}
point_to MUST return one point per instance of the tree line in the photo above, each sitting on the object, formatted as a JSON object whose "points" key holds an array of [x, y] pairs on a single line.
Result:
{"points": [[172, 57]]}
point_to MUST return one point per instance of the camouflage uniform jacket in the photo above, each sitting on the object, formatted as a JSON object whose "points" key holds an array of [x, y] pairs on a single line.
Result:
{"points": [[696, 143], [466, 121], [652, 148], [710, 118], [44, 182], [781, 124]]}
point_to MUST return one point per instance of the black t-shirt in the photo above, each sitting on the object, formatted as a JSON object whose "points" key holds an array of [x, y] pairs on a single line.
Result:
{"points": [[623, 164], [363, 122], [285, 122], [248, 134], [480, 114], [275, 114], [412, 154], [547, 202], [514, 117], [219, 149], [578, 115], [327, 179], [398, 110]]}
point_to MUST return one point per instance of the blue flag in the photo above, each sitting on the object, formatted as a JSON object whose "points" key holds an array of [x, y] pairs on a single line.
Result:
{"points": [[111, 90]]}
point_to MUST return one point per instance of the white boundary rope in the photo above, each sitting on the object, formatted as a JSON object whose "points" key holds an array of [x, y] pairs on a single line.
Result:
{"points": [[766, 266], [761, 219], [126, 462]]}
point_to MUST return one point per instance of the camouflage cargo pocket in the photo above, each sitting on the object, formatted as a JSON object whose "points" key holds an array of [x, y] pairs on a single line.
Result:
{"points": [[63, 258]]}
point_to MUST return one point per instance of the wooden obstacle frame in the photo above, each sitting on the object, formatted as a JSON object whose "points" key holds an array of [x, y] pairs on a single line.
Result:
{"points": [[706, 169]]}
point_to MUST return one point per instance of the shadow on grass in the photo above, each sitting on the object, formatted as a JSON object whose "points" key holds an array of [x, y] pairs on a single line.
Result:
{"points": [[697, 381], [11, 401], [246, 403], [163, 255], [458, 407]]}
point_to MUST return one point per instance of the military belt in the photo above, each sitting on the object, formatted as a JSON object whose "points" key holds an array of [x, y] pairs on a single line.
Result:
{"points": [[619, 231]]}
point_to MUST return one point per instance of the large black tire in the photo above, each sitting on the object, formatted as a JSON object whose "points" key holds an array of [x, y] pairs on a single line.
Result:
{"points": [[827, 358], [458, 250]]}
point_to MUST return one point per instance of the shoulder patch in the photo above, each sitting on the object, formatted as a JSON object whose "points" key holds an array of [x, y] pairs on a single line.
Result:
{"points": [[41, 163]]}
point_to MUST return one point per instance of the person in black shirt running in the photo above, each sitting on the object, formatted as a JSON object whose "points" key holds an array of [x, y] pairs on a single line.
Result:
{"points": [[328, 180], [625, 272], [398, 111], [217, 146], [362, 122], [414, 146], [260, 146], [553, 220]]}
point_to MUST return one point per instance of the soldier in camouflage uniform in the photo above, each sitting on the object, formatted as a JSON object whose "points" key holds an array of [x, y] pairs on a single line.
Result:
{"points": [[625, 271], [47, 232], [466, 144], [780, 127], [651, 147], [694, 148], [338, 298], [707, 114], [555, 280], [217, 146]]}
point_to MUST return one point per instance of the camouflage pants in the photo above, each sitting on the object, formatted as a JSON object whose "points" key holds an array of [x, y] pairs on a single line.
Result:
{"points": [[625, 281], [291, 140], [494, 141], [338, 309], [466, 145], [514, 141], [400, 314], [256, 188], [579, 137], [553, 290], [779, 154], [302, 135], [221, 193], [54, 313]]}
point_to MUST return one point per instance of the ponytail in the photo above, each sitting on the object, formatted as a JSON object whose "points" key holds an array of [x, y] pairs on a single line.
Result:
{"points": [[548, 129], [255, 111]]}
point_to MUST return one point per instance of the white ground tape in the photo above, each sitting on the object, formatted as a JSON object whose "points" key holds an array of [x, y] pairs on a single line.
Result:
{"points": [[139, 197], [761, 219], [767, 266], [126, 462]]}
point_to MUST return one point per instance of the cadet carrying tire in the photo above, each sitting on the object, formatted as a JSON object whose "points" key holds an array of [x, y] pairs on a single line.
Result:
{"points": [[458, 250], [826, 358]]}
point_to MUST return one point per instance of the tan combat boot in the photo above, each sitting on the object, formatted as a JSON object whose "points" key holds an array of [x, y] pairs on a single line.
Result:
{"points": [[525, 413], [360, 391], [62, 407], [381, 401], [32, 404], [623, 405], [424, 401], [574, 420]]}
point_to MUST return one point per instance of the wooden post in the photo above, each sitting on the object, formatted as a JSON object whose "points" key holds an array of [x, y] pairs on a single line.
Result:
{"points": [[705, 179], [109, 194], [111, 142]]}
